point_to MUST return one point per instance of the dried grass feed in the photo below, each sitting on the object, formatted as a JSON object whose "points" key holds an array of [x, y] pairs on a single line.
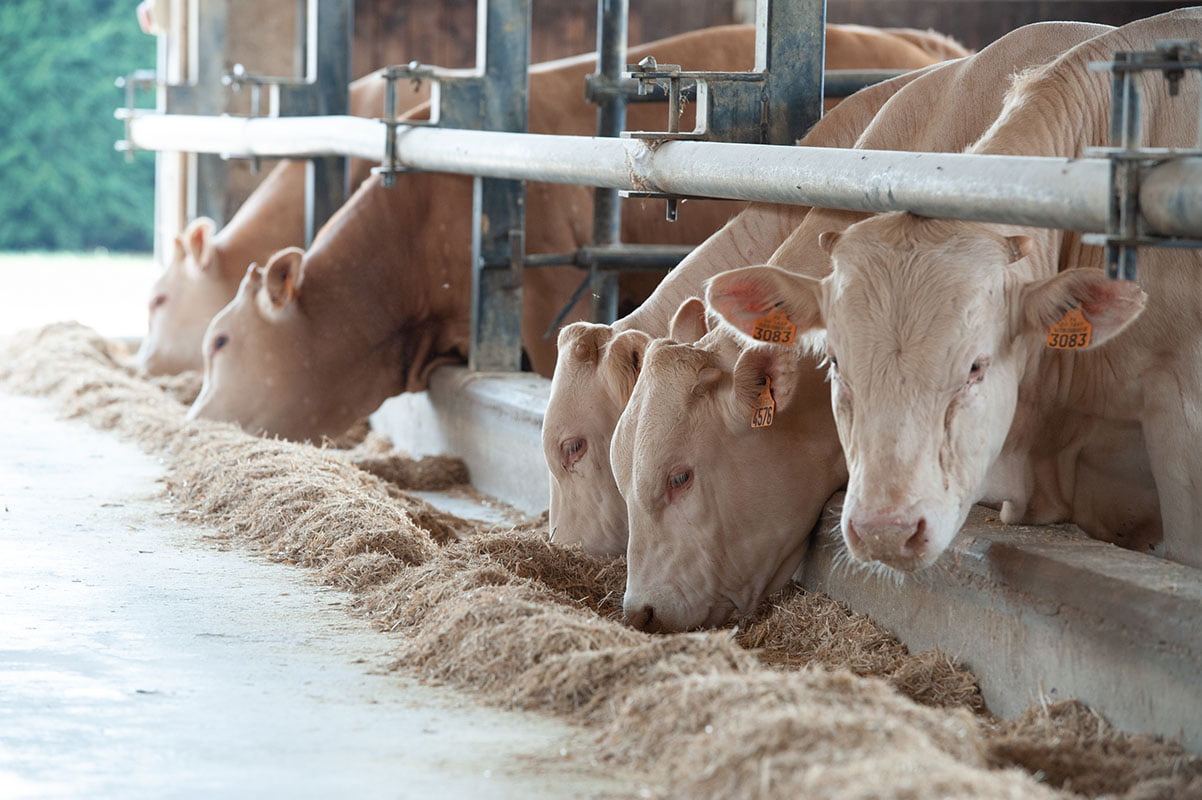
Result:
{"points": [[805, 700]]}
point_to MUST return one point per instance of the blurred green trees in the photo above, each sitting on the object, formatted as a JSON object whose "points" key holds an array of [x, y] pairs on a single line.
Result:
{"points": [[62, 186]]}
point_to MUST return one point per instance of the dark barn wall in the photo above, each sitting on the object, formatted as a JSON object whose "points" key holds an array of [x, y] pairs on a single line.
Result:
{"points": [[976, 23], [444, 32]]}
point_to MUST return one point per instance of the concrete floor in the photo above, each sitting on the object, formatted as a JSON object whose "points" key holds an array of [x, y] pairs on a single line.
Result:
{"points": [[138, 659]]}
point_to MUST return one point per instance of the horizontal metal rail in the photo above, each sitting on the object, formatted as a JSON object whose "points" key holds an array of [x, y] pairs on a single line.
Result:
{"points": [[1021, 190]]}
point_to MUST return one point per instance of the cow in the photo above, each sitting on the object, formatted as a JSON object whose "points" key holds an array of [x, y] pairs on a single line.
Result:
{"points": [[728, 451], [315, 340], [207, 265], [587, 393], [947, 389]]}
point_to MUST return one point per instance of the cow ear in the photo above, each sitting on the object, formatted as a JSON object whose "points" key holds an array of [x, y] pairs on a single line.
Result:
{"points": [[623, 361], [1018, 247], [282, 279], [742, 297], [1107, 305], [198, 244], [774, 366], [688, 323], [582, 341]]}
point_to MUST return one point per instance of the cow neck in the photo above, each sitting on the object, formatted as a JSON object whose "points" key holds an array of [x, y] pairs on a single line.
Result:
{"points": [[395, 293], [268, 221]]}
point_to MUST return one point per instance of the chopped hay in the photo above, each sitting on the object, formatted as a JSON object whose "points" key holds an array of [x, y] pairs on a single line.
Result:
{"points": [[805, 699], [427, 474]]}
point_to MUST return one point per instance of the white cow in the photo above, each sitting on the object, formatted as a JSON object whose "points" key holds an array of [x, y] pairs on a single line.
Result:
{"points": [[720, 511], [945, 389], [586, 509]]}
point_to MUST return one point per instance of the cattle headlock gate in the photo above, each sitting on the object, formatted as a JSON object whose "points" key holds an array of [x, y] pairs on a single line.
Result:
{"points": [[1127, 196]]}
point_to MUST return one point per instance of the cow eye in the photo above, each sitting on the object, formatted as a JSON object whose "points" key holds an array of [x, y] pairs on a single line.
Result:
{"points": [[157, 301], [678, 482], [220, 342], [571, 451], [976, 372]]}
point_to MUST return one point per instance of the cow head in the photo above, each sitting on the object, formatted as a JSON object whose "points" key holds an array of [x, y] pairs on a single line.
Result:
{"points": [[187, 294], [274, 369], [929, 327], [720, 511], [594, 375]]}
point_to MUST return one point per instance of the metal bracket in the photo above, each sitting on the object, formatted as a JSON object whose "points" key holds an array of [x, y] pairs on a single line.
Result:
{"points": [[131, 83], [1129, 159]]}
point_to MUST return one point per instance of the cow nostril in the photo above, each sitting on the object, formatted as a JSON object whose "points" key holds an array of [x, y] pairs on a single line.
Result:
{"points": [[853, 539], [643, 619], [917, 543]]}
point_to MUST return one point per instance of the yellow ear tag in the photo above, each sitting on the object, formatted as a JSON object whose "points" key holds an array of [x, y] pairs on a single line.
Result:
{"points": [[765, 406], [774, 327], [1072, 332]]}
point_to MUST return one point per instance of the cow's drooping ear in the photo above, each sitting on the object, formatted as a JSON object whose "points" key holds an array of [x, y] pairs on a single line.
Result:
{"points": [[623, 360], [688, 323], [282, 279], [1018, 247], [747, 296], [827, 241], [1104, 307], [758, 367], [582, 341], [197, 241]]}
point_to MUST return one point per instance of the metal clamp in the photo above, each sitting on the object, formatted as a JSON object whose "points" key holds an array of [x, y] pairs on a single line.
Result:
{"points": [[1129, 159], [413, 71], [138, 79]]}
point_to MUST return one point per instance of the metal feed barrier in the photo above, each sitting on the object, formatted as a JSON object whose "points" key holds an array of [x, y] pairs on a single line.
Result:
{"points": [[740, 150]]}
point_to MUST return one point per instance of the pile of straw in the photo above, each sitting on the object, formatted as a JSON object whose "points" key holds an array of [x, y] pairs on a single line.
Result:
{"points": [[806, 699]]}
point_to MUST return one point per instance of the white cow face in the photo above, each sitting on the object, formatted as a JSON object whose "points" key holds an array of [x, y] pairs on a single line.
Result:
{"points": [[720, 511], [930, 326], [187, 294], [594, 374]]}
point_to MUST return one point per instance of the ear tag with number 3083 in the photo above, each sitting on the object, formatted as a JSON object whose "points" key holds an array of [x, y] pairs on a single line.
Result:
{"points": [[1072, 332], [775, 328], [765, 406]]}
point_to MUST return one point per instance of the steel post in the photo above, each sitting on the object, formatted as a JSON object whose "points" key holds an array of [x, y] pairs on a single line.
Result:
{"points": [[790, 48], [499, 206], [611, 120], [328, 73]]}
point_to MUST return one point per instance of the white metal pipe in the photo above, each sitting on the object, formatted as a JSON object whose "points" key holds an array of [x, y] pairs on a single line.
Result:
{"points": [[1170, 198], [1042, 192]]}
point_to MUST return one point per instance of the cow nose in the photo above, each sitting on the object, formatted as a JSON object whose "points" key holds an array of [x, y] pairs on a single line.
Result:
{"points": [[892, 536], [643, 620]]}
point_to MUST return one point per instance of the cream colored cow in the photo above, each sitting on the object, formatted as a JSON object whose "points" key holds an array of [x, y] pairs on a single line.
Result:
{"points": [[589, 389], [761, 489], [945, 389]]}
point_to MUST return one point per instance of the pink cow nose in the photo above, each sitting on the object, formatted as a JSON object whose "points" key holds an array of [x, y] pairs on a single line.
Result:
{"points": [[893, 536], [644, 620]]}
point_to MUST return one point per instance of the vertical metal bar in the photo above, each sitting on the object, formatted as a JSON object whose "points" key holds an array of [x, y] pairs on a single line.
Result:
{"points": [[612, 16], [790, 44], [498, 206], [328, 69], [1126, 130], [207, 63]]}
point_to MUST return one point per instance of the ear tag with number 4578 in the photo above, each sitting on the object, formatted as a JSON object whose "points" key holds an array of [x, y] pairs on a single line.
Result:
{"points": [[765, 406], [1072, 332]]}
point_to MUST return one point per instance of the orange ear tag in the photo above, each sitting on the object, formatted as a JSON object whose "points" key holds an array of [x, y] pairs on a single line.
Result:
{"points": [[774, 327], [1072, 332], [765, 406]]}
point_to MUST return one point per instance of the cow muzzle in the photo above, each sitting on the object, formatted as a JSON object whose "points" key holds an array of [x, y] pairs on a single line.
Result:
{"points": [[895, 537]]}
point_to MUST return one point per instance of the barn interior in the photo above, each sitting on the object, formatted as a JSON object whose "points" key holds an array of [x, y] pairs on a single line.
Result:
{"points": [[439, 641]]}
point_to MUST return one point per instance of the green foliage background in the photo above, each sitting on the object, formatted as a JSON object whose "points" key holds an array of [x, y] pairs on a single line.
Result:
{"points": [[62, 186]]}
